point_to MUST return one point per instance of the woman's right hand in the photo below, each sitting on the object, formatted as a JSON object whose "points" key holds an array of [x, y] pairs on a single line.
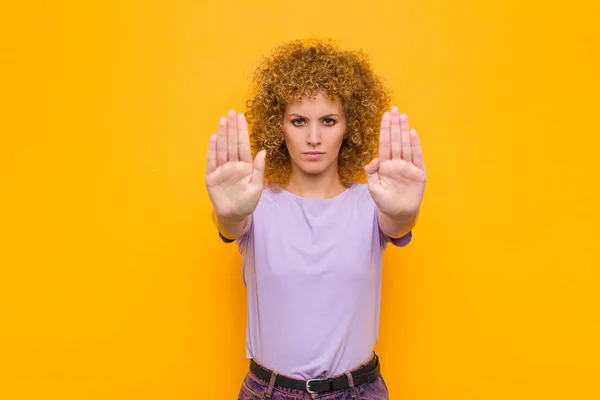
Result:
{"points": [[233, 181]]}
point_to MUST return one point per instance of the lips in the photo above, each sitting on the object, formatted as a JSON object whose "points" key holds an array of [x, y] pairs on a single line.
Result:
{"points": [[313, 155]]}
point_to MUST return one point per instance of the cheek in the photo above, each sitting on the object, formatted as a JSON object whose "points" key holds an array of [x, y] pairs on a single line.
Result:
{"points": [[287, 139], [338, 140], [291, 144]]}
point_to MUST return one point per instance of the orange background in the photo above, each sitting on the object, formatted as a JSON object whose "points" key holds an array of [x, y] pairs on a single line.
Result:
{"points": [[114, 285]]}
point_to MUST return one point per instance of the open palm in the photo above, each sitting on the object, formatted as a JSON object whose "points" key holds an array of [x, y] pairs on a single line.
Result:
{"points": [[396, 179], [234, 183]]}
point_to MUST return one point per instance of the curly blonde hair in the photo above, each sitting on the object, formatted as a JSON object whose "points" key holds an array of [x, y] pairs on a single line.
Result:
{"points": [[303, 68]]}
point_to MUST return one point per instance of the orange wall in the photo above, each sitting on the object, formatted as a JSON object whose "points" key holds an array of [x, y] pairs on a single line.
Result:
{"points": [[114, 285]]}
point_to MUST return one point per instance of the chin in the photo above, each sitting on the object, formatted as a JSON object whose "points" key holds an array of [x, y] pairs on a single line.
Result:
{"points": [[313, 169]]}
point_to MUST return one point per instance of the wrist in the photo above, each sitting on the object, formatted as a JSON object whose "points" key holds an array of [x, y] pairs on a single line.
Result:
{"points": [[403, 217], [229, 219], [231, 227]]}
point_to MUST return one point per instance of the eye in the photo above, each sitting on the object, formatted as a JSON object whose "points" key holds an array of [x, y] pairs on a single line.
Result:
{"points": [[326, 121]]}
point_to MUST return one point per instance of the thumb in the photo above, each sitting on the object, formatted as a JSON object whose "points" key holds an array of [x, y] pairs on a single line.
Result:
{"points": [[371, 172], [258, 171]]}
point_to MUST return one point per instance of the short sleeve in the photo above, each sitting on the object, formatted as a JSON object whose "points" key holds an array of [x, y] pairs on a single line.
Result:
{"points": [[224, 239], [401, 241], [385, 239]]}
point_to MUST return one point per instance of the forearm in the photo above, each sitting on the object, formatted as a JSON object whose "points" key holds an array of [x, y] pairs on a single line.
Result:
{"points": [[231, 228], [398, 226]]}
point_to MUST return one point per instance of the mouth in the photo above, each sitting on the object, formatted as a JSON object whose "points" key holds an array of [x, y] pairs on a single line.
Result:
{"points": [[313, 155]]}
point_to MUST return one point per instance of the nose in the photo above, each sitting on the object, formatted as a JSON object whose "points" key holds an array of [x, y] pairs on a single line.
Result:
{"points": [[314, 135]]}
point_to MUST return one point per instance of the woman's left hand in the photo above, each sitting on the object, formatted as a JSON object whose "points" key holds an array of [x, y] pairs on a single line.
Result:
{"points": [[397, 178]]}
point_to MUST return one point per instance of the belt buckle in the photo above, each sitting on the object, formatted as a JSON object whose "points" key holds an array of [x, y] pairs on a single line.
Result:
{"points": [[308, 385]]}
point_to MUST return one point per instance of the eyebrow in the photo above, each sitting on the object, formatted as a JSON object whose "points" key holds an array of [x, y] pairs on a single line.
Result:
{"points": [[324, 116]]}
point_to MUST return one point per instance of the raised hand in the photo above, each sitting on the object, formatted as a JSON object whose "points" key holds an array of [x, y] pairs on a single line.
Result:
{"points": [[397, 178], [234, 183]]}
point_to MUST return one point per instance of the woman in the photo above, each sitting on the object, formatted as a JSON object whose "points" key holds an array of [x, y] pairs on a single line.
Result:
{"points": [[311, 236]]}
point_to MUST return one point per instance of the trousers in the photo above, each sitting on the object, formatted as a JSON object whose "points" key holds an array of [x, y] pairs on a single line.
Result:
{"points": [[254, 388]]}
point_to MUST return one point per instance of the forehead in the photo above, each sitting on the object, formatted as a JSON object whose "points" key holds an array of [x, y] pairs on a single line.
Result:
{"points": [[320, 103]]}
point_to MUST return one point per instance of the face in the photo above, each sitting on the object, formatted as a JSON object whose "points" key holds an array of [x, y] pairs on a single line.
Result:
{"points": [[313, 131]]}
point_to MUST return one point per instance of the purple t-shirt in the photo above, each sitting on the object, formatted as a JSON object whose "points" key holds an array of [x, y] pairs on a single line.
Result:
{"points": [[312, 270]]}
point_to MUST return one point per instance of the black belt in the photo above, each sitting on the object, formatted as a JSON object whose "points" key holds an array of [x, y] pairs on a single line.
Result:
{"points": [[364, 374]]}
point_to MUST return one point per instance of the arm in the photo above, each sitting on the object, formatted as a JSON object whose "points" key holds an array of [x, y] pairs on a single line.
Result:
{"points": [[397, 227], [233, 181], [231, 229], [397, 178]]}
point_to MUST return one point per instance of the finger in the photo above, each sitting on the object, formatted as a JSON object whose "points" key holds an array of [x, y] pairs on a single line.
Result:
{"points": [[232, 136], [384, 138], [405, 133], [258, 171], [371, 172], [211, 157], [243, 139], [222, 142], [396, 143], [416, 150]]}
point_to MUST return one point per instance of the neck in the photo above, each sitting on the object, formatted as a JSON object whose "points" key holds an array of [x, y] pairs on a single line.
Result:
{"points": [[321, 186]]}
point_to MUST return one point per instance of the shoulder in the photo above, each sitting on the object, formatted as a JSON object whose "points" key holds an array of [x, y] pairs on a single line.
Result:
{"points": [[363, 196], [360, 193], [267, 198], [359, 188]]}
